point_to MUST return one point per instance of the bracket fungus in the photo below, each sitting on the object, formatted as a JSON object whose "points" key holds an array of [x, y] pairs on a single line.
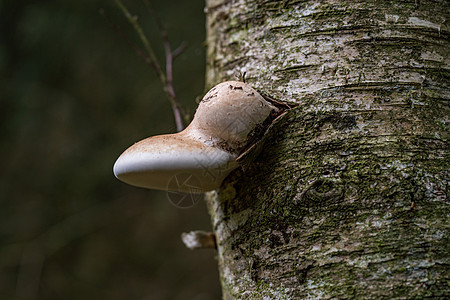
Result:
{"points": [[197, 159]]}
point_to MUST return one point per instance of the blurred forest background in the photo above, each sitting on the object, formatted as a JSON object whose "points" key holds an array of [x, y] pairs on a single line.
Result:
{"points": [[73, 96]]}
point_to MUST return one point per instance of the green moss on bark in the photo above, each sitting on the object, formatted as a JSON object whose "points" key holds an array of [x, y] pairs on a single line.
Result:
{"points": [[349, 196]]}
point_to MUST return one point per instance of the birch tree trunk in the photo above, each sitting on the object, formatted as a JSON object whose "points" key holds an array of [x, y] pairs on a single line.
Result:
{"points": [[349, 197]]}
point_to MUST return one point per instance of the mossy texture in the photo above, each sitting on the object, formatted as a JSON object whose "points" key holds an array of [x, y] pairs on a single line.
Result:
{"points": [[349, 197]]}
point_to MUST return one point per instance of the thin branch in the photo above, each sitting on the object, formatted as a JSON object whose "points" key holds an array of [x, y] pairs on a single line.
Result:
{"points": [[169, 63], [167, 78], [133, 21], [179, 50]]}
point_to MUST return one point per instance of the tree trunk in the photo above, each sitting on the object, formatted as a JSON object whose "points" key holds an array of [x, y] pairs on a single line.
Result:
{"points": [[349, 197]]}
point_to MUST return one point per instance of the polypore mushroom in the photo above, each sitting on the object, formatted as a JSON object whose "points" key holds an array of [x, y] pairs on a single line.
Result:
{"points": [[198, 158]]}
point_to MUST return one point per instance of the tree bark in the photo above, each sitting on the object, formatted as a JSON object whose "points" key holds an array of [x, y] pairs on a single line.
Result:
{"points": [[349, 197]]}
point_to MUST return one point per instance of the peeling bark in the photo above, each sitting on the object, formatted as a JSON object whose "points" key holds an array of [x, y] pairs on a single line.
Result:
{"points": [[349, 197]]}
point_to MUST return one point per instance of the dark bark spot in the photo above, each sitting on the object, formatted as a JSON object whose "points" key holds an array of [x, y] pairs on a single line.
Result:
{"points": [[302, 270], [254, 269], [279, 235], [339, 121], [275, 240], [344, 122]]}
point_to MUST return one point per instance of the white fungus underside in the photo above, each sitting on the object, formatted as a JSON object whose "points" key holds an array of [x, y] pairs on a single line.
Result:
{"points": [[168, 171]]}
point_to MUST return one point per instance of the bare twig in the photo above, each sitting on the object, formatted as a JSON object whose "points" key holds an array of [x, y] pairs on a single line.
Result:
{"points": [[166, 77], [179, 50], [134, 21], [169, 65]]}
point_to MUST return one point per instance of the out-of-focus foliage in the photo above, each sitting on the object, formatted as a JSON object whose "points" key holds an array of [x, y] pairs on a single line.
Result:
{"points": [[73, 95]]}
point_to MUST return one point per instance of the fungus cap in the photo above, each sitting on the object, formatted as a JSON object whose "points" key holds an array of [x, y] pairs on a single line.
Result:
{"points": [[230, 111], [200, 157]]}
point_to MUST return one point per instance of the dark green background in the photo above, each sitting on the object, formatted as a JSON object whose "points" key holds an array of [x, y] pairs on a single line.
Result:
{"points": [[73, 96]]}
